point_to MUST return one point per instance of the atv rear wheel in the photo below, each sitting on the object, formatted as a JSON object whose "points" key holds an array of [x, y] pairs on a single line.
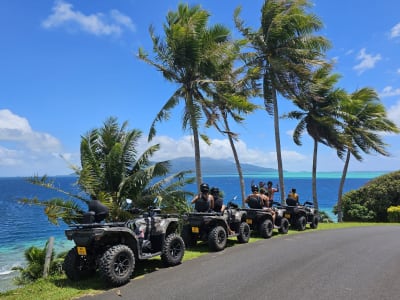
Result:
{"points": [[77, 267], [117, 265], [314, 222], [244, 233], [188, 237], [173, 250], [217, 238], [266, 229], [284, 228], [301, 223]]}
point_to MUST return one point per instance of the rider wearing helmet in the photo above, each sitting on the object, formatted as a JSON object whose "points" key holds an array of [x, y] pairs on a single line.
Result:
{"points": [[255, 199], [204, 201], [218, 200]]}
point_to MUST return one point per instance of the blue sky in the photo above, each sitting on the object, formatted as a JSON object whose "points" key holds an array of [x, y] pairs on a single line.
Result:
{"points": [[66, 66]]}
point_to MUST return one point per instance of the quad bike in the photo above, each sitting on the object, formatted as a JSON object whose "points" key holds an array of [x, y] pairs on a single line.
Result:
{"points": [[113, 248], [301, 215], [261, 221], [215, 227]]}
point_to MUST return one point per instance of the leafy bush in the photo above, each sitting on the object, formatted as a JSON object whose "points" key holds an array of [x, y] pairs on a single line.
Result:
{"points": [[394, 214], [371, 202]]}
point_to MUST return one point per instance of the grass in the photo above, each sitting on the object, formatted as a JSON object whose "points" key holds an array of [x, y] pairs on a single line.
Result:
{"points": [[60, 288]]}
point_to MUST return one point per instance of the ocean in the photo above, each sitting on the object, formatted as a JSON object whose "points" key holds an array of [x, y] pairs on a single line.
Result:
{"points": [[24, 226]]}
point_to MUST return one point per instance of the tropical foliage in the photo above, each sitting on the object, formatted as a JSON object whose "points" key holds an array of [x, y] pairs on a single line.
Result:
{"points": [[370, 202], [318, 115], [364, 119], [35, 258], [112, 171], [187, 56], [285, 51]]}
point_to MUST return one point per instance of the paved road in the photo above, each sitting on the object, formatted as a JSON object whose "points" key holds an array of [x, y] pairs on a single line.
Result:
{"points": [[354, 263]]}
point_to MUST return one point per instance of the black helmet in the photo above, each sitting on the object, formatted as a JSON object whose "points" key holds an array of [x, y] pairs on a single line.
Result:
{"points": [[204, 188], [214, 191], [254, 188]]}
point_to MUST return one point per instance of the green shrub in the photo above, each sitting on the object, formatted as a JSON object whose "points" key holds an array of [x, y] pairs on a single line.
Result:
{"points": [[394, 214], [371, 202]]}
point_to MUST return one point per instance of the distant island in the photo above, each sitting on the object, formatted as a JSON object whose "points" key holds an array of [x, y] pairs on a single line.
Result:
{"points": [[215, 166]]}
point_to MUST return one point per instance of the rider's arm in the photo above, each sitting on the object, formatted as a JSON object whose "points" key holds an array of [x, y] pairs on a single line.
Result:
{"points": [[211, 201]]}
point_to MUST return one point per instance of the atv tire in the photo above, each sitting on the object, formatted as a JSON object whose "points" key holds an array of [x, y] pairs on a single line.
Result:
{"points": [[217, 238], [188, 237], [117, 265], [266, 228], [301, 223], [173, 250], [244, 233], [314, 222], [284, 228], [77, 267]]}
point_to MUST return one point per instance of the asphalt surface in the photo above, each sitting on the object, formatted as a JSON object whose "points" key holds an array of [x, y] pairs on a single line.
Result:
{"points": [[353, 263]]}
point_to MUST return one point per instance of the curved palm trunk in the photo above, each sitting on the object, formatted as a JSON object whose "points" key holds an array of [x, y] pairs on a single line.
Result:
{"points": [[196, 142], [340, 193], [278, 147], [314, 175], [236, 157]]}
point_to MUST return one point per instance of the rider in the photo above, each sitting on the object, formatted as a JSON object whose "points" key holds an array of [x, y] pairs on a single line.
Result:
{"points": [[271, 190], [293, 198], [204, 201], [218, 200], [255, 199], [99, 209]]}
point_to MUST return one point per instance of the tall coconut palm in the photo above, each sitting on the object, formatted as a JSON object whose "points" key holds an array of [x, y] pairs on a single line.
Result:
{"points": [[285, 49], [112, 170], [318, 116], [364, 120], [233, 88], [187, 56]]}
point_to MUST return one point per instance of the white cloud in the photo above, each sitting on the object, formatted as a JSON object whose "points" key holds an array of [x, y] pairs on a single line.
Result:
{"points": [[389, 91], [98, 24], [395, 31], [220, 149], [367, 61], [25, 152], [393, 113]]}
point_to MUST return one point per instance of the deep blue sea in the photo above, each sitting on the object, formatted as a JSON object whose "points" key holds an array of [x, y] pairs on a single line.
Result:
{"points": [[23, 226]]}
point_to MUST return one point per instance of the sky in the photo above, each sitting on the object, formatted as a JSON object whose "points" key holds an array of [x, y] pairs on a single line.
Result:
{"points": [[66, 66]]}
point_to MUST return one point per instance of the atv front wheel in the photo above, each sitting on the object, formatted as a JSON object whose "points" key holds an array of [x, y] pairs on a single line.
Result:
{"points": [[266, 228], [173, 250], [244, 233], [301, 223], [217, 238], [77, 267], [117, 265], [284, 228], [314, 223]]}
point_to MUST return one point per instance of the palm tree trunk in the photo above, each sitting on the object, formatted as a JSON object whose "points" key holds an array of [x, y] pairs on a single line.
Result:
{"points": [[314, 175], [236, 157], [197, 158], [278, 147], [342, 180]]}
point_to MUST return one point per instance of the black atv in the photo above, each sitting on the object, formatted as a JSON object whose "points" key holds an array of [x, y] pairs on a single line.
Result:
{"points": [[215, 227], [113, 248], [301, 215]]}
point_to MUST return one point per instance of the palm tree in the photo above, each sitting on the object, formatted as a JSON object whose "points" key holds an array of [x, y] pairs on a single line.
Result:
{"points": [[187, 57], [230, 96], [364, 119], [112, 171], [284, 50], [319, 115]]}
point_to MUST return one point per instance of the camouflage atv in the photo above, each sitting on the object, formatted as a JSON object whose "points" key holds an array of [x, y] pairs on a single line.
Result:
{"points": [[261, 221], [215, 227], [301, 215], [113, 248]]}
